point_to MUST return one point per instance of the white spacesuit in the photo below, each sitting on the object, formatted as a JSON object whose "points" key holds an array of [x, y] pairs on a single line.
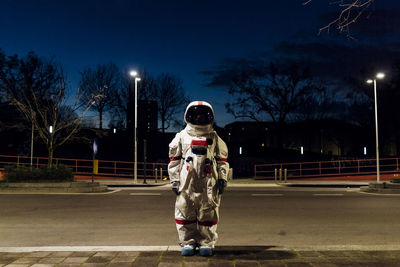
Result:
{"points": [[198, 171]]}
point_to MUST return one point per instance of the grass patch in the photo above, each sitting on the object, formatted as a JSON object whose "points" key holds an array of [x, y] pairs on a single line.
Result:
{"points": [[19, 174], [396, 181]]}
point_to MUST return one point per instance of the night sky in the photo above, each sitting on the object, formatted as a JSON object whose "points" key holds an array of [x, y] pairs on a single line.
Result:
{"points": [[181, 37]]}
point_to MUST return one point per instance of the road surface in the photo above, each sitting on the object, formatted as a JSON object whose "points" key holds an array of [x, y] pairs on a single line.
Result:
{"points": [[263, 216]]}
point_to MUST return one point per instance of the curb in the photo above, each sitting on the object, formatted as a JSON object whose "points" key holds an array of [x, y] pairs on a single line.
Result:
{"points": [[62, 187], [333, 185], [382, 188], [137, 185]]}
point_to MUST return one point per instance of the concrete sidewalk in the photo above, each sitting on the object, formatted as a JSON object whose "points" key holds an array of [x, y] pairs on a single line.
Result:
{"points": [[223, 256]]}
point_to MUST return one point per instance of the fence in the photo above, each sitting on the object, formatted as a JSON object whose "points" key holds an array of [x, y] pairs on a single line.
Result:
{"points": [[328, 168], [85, 167]]}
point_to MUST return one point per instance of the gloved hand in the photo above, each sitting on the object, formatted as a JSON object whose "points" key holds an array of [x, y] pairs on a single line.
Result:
{"points": [[221, 185], [175, 187]]}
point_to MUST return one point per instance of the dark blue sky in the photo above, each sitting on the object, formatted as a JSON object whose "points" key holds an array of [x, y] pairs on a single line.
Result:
{"points": [[180, 37]]}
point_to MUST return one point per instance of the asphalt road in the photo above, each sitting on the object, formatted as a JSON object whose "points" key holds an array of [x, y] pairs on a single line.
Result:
{"points": [[288, 217]]}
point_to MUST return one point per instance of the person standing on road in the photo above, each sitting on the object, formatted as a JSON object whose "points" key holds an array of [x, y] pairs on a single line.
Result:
{"points": [[198, 171]]}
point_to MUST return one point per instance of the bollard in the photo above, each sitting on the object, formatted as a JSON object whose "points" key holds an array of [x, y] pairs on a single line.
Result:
{"points": [[161, 178], [280, 175], [285, 175], [155, 176], [276, 174]]}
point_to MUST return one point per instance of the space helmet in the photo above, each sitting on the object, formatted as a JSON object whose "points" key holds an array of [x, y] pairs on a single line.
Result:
{"points": [[199, 113]]}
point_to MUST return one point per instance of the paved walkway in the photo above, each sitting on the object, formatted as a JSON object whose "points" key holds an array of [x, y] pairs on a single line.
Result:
{"points": [[247, 256]]}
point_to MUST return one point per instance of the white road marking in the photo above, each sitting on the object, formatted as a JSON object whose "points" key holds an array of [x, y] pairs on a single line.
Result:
{"points": [[266, 195], [347, 247], [145, 194], [352, 189], [89, 248], [327, 195], [178, 248]]}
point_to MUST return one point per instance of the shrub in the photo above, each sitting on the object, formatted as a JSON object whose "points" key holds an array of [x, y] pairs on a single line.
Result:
{"points": [[60, 173], [397, 180]]}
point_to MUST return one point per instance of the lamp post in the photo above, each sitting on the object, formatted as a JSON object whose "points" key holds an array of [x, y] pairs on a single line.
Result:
{"points": [[379, 75], [137, 79], [32, 133]]}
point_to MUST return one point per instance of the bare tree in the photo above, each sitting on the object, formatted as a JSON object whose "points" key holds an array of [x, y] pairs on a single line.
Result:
{"points": [[123, 98], [170, 97], [323, 104], [349, 13], [37, 87], [100, 84], [166, 90], [264, 91]]}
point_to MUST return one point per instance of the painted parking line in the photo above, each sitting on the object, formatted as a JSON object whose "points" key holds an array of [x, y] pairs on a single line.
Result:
{"points": [[328, 195], [266, 195], [145, 194]]}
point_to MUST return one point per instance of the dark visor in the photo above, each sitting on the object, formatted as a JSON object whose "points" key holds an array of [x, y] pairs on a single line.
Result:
{"points": [[200, 115]]}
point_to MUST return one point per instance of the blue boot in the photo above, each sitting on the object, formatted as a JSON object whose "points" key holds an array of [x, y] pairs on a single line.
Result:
{"points": [[188, 250], [205, 251]]}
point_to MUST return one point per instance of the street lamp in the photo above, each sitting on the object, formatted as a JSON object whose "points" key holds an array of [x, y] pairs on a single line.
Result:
{"points": [[137, 79], [379, 75], [32, 135]]}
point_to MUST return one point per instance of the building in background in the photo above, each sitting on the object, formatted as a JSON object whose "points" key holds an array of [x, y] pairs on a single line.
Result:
{"points": [[147, 116]]}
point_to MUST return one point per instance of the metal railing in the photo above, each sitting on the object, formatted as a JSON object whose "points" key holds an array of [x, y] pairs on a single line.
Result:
{"points": [[328, 168], [85, 167]]}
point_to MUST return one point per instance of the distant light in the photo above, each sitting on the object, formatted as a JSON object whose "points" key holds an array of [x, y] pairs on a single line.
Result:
{"points": [[137, 79], [115, 130], [370, 81], [133, 73], [380, 75], [365, 150], [51, 129], [240, 151], [95, 147], [301, 150], [262, 145]]}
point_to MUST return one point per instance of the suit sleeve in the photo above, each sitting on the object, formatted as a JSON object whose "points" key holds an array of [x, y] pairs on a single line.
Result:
{"points": [[222, 159], [175, 158]]}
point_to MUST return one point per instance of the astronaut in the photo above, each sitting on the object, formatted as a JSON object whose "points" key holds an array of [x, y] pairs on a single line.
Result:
{"points": [[198, 171]]}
